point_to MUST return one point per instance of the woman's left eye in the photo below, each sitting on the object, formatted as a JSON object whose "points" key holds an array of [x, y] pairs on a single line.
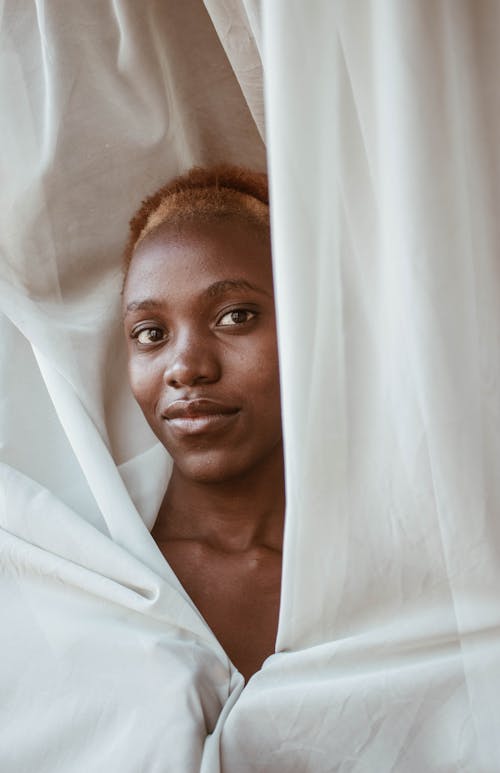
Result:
{"points": [[236, 317]]}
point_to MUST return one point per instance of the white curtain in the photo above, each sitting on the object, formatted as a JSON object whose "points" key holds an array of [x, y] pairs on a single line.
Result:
{"points": [[381, 126]]}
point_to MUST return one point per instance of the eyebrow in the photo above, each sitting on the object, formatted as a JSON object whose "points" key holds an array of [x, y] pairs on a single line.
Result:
{"points": [[226, 285], [214, 290], [147, 303]]}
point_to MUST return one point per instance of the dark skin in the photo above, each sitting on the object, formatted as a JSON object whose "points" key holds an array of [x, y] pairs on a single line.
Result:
{"points": [[200, 325]]}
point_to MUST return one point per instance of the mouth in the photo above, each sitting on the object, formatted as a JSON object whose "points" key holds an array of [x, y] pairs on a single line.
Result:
{"points": [[195, 417]]}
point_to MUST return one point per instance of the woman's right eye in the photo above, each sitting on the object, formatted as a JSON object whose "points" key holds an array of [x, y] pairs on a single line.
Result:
{"points": [[150, 335]]}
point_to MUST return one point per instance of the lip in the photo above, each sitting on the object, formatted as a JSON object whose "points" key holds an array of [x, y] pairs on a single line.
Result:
{"points": [[194, 417]]}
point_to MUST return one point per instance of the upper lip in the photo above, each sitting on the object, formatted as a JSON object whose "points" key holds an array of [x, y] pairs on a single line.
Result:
{"points": [[186, 409]]}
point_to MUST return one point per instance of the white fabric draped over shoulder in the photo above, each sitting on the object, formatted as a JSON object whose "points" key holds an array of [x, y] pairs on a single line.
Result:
{"points": [[381, 124]]}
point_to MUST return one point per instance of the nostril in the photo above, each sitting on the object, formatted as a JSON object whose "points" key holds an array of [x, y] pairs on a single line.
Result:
{"points": [[200, 367]]}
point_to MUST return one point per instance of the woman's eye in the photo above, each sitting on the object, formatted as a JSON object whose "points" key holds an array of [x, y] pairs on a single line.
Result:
{"points": [[236, 317], [150, 335]]}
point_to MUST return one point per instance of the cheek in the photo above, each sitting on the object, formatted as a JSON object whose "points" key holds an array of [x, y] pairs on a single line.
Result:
{"points": [[269, 363], [145, 382], [262, 378]]}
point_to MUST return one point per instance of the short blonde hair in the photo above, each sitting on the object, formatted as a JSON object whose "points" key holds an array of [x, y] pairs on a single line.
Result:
{"points": [[203, 195]]}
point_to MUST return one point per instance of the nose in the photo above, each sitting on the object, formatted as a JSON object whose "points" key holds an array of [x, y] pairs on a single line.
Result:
{"points": [[191, 361]]}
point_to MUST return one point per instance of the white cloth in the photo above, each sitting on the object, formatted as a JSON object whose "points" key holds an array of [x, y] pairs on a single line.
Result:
{"points": [[381, 128]]}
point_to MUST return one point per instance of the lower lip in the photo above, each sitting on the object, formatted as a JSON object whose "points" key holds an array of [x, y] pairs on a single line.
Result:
{"points": [[199, 425]]}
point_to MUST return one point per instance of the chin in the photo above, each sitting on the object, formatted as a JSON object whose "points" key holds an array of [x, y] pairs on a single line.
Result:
{"points": [[207, 473], [211, 468]]}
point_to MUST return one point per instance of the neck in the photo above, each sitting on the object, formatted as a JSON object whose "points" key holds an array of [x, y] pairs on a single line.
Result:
{"points": [[232, 515]]}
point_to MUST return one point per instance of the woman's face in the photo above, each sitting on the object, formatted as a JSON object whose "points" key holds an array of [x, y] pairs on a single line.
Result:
{"points": [[202, 356]]}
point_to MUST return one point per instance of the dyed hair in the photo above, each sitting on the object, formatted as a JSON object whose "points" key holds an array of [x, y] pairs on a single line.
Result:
{"points": [[203, 195]]}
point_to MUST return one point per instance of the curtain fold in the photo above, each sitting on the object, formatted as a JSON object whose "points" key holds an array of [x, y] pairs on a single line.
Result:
{"points": [[381, 126], [239, 26]]}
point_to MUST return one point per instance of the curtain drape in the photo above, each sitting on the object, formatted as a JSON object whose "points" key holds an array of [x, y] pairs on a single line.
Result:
{"points": [[381, 125]]}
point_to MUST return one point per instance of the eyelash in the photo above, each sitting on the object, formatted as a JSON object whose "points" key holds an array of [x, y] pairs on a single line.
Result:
{"points": [[135, 335]]}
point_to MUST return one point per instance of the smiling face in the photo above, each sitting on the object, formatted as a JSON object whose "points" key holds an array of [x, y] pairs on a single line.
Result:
{"points": [[202, 354]]}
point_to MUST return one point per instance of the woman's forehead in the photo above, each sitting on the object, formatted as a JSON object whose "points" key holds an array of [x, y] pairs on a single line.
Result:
{"points": [[200, 256]]}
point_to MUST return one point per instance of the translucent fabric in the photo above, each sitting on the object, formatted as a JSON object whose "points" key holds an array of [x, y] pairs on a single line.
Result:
{"points": [[381, 126]]}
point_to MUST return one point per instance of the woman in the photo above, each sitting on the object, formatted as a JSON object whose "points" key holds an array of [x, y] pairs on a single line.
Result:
{"points": [[200, 326]]}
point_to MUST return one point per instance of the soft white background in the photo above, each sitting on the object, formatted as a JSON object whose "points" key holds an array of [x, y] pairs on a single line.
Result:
{"points": [[381, 125]]}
